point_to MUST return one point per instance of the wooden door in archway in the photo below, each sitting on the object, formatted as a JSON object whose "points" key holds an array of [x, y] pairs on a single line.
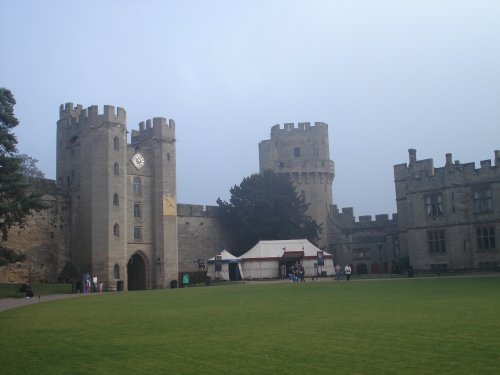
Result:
{"points": [[136, 271]]}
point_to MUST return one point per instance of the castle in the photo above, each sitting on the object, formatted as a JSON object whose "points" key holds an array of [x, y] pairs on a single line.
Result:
{"points": [[113, 210]]}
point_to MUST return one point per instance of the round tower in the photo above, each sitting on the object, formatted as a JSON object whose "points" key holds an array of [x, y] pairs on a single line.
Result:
{"points": [[302, 153]]}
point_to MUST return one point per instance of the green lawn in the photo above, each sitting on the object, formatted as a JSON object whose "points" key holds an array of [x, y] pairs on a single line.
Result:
{"points": [[408, 326]]}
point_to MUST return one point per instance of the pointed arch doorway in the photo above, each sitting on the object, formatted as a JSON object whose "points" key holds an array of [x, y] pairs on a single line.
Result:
{"points": [[136, 272]]}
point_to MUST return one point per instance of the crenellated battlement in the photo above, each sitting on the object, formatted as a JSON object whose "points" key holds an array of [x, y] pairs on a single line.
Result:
{"points": [[197, 210], [346, 216], [276, 130], [77, 114], [158, 128], [424, 172]]}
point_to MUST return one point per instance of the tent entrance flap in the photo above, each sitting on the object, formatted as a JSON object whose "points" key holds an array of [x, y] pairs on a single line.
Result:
{"points": [[234, 271], [288, 260]]}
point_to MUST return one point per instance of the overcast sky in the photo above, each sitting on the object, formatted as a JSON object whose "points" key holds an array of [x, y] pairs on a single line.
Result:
{"points": [[385, 75]]}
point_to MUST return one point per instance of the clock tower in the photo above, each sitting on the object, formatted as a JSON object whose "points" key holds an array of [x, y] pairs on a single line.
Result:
{"points": [[122, 197], [152, 158]]}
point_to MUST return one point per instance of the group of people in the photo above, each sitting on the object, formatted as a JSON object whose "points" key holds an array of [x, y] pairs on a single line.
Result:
{"points": [[347, 271], [297, 273], [91, 284]]}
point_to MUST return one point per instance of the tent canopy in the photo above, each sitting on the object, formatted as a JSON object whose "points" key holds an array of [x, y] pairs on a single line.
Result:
{"points": [[283, 248], [226, 257], [272, 259], [230, 267]]}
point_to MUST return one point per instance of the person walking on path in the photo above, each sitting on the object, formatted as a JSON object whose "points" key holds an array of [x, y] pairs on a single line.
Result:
{"points": [[338, 272], [347, 270]]}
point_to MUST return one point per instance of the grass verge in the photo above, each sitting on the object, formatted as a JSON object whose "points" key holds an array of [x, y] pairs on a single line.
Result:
{"points": [[409, 326]]}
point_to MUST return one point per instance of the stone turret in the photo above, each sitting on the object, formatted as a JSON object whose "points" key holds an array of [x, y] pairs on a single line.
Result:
{"points": [[158, 247], [302, 153]]}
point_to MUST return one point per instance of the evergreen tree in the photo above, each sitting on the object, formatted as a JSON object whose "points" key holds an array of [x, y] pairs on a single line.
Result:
{"points": [[265, 206], [17, 198]]}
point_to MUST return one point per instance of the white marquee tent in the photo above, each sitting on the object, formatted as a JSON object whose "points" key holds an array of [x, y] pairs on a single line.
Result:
{"points": [[271, 259], [230, 266]]}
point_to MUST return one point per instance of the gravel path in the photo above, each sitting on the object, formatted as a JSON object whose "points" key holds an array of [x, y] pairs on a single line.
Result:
{"points": [[12, 303]]}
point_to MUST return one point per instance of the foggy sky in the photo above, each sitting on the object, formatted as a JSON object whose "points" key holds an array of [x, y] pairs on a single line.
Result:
{"points": [[385, 75]]}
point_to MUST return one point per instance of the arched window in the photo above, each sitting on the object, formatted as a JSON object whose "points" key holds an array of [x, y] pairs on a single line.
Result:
{"points": [[116, 199], [116, 230], [116, 271], [136, 185], [116, 143], [117, 169]]}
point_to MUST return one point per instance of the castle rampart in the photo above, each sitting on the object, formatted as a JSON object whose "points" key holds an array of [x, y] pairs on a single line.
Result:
{"points": [[196, 210], [276, 130], [347, 218], [157, 129], [424, 172], [369, 245], [91, 114]]}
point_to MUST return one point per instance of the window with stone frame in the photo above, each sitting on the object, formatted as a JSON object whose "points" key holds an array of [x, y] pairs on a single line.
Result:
{"points": [[116, 199], [486, 238], [137, 210], [483, 201], [436, 242], [137, 233], [434, 205], [116, 168], [116, 271], [137, 185], [116, 230], [116, 143], [296, 152]]}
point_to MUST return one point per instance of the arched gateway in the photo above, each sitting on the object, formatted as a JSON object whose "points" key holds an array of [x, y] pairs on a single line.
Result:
{"points": [[137, 272]]}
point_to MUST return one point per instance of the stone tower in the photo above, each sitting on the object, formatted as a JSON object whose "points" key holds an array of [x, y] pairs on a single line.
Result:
{"points": [[120, 227], [302, 153]]}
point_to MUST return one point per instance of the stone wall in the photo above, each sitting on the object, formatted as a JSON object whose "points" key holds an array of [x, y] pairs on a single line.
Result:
{"points": [[43, 240], [200, 235], [369, 246], [449, 202]]}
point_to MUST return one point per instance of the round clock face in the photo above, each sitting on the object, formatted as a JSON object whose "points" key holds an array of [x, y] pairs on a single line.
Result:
{"points": [[138, 160]]}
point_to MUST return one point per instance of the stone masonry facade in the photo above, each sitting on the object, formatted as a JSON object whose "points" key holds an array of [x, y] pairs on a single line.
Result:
{"points": [[449, 217], [113, 210]]}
